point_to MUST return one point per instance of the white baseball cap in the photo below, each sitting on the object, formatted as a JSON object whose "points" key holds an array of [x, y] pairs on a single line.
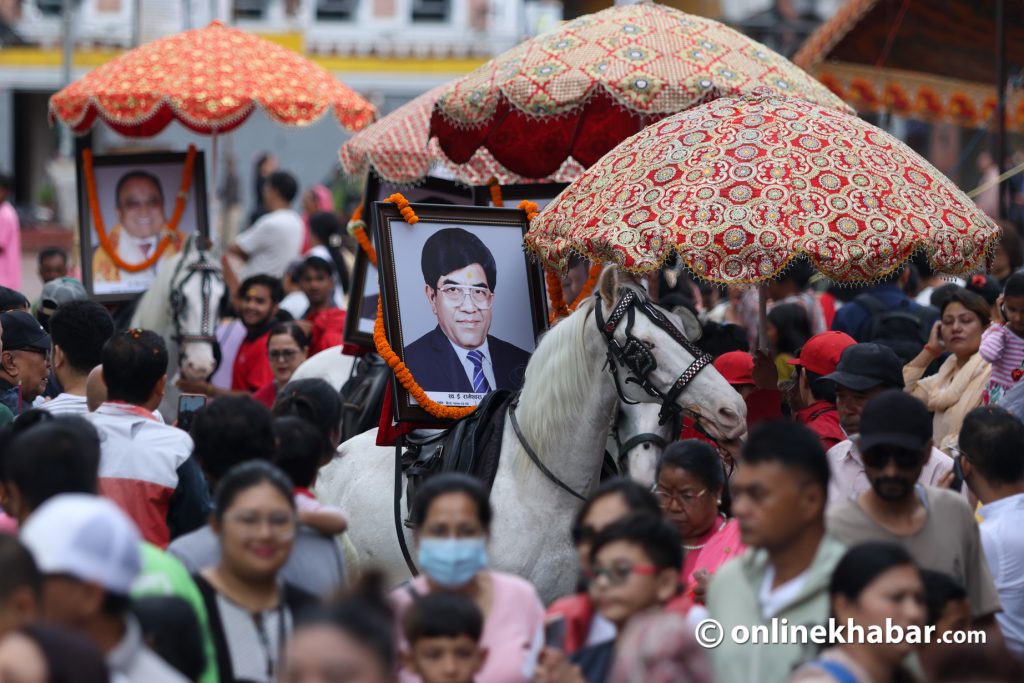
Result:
{"points": [[86, 537]]}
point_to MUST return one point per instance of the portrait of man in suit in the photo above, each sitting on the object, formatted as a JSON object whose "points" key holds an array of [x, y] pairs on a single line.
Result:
{"points": [[459, 354]]}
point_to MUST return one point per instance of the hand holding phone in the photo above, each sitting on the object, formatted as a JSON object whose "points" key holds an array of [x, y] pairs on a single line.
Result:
{"points": [[188, 406], [554, 633]]}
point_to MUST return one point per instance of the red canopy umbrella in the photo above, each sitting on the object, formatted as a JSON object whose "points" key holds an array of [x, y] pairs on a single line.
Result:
{"points": [[580, 90], [210, 80], [741, 187], [399, 149]]}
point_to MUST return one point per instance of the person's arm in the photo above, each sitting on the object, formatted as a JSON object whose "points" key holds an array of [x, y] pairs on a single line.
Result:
{"points": [[915, 369], [993, 341], [237, 252], [200, 386], [190, 503], [327, 520]]}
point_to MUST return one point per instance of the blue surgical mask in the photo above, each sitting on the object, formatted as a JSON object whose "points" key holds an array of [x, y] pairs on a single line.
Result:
{"points": [[452, 562]]}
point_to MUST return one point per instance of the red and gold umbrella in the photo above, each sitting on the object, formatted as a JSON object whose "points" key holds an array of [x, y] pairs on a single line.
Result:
{"points": [[210, 80], [740, 187], [580, 90], [399, 148]]}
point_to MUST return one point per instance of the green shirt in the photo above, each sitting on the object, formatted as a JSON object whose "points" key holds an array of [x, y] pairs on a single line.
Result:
{"points": [[163, 575]]}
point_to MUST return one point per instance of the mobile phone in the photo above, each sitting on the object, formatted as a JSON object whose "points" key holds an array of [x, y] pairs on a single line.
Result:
{"points": [[554, 632], [958, 473], [188, 406]]}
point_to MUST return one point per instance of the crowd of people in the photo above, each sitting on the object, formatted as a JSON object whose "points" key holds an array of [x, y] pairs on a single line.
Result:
{"points": [[881, 482]]}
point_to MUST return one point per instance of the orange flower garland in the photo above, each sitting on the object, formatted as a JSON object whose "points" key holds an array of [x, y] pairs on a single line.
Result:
{"points": [[170, 233], [559, 309], [380, 339], [496, 198], [357, 228], [588, 286]]}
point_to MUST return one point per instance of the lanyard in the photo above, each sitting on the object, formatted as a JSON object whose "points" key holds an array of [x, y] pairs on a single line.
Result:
{"points": [[261, 633]]}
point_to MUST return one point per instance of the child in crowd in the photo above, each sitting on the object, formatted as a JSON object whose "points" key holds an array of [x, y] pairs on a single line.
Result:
{"points": [[1002, 344], [443, 631], [299, 455]]}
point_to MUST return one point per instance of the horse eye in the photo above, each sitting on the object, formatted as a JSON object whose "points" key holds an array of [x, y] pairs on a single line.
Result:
{"points": [[648, 344]]}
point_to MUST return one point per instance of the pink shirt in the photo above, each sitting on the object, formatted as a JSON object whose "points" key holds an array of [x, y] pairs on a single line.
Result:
{"points": [[1004, 350], [511, 634], [10, 247], [720, 544]]}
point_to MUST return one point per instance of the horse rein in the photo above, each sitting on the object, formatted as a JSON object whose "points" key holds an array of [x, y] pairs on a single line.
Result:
{"points": [[637, 358]]}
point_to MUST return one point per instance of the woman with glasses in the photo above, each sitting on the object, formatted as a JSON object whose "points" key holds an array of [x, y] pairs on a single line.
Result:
{"points": [[688, 485], [252, 611], [451, 517], [287, 348]]}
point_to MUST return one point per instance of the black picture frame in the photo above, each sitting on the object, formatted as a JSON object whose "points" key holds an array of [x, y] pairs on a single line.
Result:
{"points": [[196, 214], [511, 195], [362, 308], [467, 217]]}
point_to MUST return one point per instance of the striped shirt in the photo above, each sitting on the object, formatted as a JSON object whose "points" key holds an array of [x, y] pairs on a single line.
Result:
{"points": [[1004, 350], [66, 404]]}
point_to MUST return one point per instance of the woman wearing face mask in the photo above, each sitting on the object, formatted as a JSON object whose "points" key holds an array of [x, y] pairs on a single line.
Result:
{"points": [[451, 517], [873, 583], [959, 385], [287, 347], [252, 612]]}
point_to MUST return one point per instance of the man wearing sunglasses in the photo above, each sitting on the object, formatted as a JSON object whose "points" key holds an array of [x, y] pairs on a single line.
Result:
{"points": [[863, 372], [24, 362], [459, 355], [935, 525]]}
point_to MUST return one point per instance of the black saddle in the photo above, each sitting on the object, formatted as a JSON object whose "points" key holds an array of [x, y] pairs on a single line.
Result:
{"points": [[471, 446], [362, 395]]}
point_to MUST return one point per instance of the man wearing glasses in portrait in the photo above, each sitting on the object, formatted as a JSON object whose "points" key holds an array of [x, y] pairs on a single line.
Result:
{"points": [[459, 355]]}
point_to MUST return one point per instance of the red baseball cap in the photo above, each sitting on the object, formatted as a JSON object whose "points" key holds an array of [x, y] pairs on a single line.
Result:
{"points": [[737, 367], [820, 354]]}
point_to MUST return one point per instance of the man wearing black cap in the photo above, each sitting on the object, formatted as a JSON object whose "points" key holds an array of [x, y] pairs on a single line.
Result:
{"points": [[864, 371], [935, 525], [25, 361]]}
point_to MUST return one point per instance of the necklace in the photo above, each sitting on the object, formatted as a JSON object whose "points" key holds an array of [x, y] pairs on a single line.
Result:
{"points": [[725, 521]]}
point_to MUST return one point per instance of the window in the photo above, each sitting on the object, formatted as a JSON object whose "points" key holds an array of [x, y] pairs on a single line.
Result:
{"points": [[250, 9], [430, 10], [336, 10]]}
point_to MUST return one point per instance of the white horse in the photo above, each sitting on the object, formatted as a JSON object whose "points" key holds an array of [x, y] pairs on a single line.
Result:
{"points": [[566, 406], [183, 306], [638, 438]]}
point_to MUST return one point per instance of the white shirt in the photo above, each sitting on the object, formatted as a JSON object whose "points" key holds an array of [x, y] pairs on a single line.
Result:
{"points": [[848, 478], [66, 404], [485, 362], [272, 243], [1003, 543], [774, 600]]}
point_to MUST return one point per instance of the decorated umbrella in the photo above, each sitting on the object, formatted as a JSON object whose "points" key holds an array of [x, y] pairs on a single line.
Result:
{"points": [[741, 187], [210, 80], [399, 149], [580, 90]]}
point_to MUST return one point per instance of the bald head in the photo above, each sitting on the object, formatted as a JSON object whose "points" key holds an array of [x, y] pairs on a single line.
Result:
{"points": [[95, 389]]}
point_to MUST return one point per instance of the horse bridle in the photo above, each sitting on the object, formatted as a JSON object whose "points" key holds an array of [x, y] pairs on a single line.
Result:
{"points": [[637, 358], [208, 271]]}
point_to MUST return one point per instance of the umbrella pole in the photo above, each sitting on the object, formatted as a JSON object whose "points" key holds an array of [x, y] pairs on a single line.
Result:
{"points": [[218, 224], [762, 318]]}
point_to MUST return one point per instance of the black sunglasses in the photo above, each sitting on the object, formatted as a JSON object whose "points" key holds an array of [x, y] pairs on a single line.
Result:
{"points": [[879, 457]]}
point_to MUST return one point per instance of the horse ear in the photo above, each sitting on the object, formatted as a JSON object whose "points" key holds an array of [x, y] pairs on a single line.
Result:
{"points": [[691, 326], [608, 286]]}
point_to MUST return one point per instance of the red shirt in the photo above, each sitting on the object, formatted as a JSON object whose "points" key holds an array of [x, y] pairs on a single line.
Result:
{"points": [[328, 328], [822, 419], [266, 394], [252, 367]]}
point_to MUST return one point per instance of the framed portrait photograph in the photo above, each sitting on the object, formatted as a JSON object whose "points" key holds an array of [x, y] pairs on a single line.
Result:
{"points": [[541, 194], [463, 304], [362, 297], [133, 238]]}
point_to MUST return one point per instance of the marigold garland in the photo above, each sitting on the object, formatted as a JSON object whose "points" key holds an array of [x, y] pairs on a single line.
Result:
{"points": [[380, 339], [170, 233], [496, 198], [556, 296], [403, 207]]}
